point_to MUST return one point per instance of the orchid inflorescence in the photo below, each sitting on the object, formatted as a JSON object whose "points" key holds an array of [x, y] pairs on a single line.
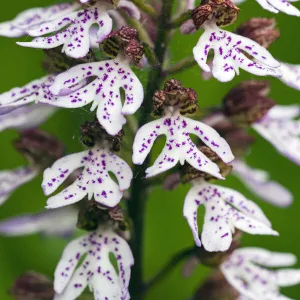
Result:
{"points": [[92, 51]]}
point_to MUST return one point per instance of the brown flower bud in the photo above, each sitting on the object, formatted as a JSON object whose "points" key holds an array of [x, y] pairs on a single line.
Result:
{"points": [[32, 286], [93, 133], [175, 95], [39, 147], [223, 12], [189, 173], [126, 38], [260, 30], [247, 103], [91, 215], [216, 287]]}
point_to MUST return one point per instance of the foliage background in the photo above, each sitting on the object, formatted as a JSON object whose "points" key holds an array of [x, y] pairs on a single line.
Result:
{"points": [[166, 230]]}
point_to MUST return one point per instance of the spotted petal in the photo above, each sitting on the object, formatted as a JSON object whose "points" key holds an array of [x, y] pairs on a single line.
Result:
{"points": [[104, 91], [96, 270], [179, 146], [225, 210], [26, 117], [34, 17], [94, 180], [279, 128], [255, 282], [75, 38], [10, 180], [259, 183], [276, 6], [60, 222], [229, 57]]}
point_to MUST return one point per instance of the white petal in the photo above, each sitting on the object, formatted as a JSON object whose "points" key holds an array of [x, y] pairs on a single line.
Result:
{"points": [[60, 170], [10, 180], [54, 222], [130, 9], [259, 183], [279, 5], [228, 57], [26, 117], [290, 75]]}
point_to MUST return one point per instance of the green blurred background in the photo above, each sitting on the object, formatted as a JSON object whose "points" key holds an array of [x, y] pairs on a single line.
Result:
{"points": [[166, 230]]}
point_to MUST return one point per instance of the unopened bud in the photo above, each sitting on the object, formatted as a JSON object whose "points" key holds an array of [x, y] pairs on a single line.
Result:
{"points": [[223, 12], [175, 95], [32, 286], [171, 182], [93, 133], [39, 147], [189, 173], [247, 103], [261, 30]]}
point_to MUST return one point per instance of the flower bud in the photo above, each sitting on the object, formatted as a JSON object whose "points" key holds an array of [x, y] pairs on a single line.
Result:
{"points": [[32, 286], [223, 12], [247, 103], [93, 133], [171, 182], [189, 173], [126, 38], [175, 95], [92, 215], [39, 148], [260, 30], [56, 61], [216, 287]]}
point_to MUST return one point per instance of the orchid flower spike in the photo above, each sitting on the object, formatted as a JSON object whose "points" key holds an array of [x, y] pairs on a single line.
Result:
{"points": [[276, 6], [93, 181], [34, 92], [96, 269], [231, 51], [104, 91], [71, 28], [26, 117], [259, 184], [226, 209], [280, 128], [246, 270], [60, 222], [173, 102]]}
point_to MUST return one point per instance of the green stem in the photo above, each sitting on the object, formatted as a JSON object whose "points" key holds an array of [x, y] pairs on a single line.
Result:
{"points": [[137, 203], [180, 20], [180, 66], [168, 268], [146, 8]]}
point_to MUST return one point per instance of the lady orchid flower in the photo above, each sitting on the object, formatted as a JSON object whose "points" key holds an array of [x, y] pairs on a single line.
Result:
{"points": [[226, 210], [246, 270], [179, 147], [96, 269], [93, 181], [60, 222], [26, 117], [280, 128], [276, 6], [290, 75], [71, 27], [103, 91], [259, 183], [230, 49]]}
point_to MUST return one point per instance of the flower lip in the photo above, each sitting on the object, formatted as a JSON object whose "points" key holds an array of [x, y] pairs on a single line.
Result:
{"points": [[247, 103], [223, 12], [261, 30]]}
